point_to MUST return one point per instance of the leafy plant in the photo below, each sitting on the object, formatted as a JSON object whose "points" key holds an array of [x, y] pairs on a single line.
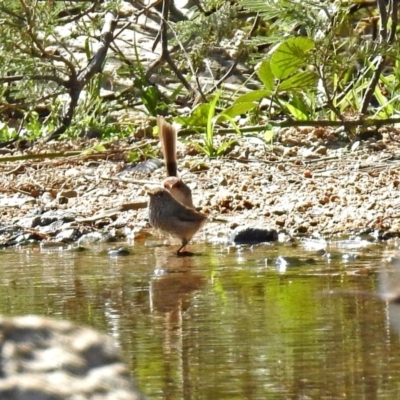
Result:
{"points": [[324, 59], [288, 79], [6, 133], [142, 153], [206, 116]]}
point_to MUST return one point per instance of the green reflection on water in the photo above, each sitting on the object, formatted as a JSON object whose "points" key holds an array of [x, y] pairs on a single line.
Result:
{"points": [[221, 325]]}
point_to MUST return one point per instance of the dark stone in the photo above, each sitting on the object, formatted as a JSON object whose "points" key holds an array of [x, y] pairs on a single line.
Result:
{"points": [[62, 200], [91, 133], [121, 251], [61, 215], [283, 263], [46, 220], [389, 235], [144, 167], [29, 222], [25, 239], [249, 235], [68, 235]]}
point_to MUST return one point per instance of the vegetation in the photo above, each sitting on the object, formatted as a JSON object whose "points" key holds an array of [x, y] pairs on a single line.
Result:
{"points": [[301, 62]]}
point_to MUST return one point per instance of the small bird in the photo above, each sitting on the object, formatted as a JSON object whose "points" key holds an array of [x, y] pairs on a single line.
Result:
{"points": [[172, 217], [175, 185]]}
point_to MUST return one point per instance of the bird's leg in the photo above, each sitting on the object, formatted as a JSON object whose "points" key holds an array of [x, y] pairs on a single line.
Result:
{"points": [[184, 243]]}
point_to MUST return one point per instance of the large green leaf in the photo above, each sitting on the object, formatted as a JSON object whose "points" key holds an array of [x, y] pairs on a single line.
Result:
{"points": [[265, 74], [290, 56], [296, 112], [199, 116], [238, 109], [301, 80], [254, 95]]}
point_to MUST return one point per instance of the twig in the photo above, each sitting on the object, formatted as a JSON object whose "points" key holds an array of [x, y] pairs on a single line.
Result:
{"points": [[384, 41], [77, 81], [125, 180], [228, 73], [40, 156], [165, 54], [65, 15]]}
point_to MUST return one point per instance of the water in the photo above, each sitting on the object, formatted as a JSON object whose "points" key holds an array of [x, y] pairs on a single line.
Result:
{"points": [[225, 324]]}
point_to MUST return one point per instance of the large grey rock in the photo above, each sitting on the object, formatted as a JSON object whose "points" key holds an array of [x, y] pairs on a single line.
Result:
{"points": [[46, 359]]}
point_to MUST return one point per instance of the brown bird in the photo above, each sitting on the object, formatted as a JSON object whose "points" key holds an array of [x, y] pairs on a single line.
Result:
{"points": [[172, 217], [175, 185]]}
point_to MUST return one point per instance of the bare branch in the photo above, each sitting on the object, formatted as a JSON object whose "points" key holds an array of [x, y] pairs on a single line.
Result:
{"points": [[77, 83], [384, 41]]}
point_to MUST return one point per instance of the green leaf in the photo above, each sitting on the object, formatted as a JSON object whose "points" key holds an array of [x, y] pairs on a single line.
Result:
{"points": [[255, 95], [301, 80], [208, 152], [150, 98], [100, 148], [290, 56], [268, 136], [265, 74], [87, 49], [296, 113], [238, 109], [199, 116], [232, 121], [211, 121], [225, 146]]}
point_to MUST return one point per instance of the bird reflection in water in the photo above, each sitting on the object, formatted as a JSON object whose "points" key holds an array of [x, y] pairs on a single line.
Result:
{"points": [[173, 283], [171, 294]]}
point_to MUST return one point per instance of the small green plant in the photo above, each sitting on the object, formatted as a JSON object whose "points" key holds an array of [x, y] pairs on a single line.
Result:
{"points": [[143, 153], [33, 126], [149, 93], [6, 133], [205, 116]]}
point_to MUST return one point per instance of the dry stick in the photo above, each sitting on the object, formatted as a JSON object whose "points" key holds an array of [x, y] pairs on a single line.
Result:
{"points": [[393, 7], [66, 15], [372, 84], [182, 47], [228, 73], [40, 156], [16, 78], [125, 180], [77, 82], [384, 41], [18, 106], [147, 8], [329, 100], [240, 56], [165, 55], [86, 153]]}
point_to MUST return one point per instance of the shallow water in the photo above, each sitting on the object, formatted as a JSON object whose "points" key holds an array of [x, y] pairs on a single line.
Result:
{"points": [[225, 323]]}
